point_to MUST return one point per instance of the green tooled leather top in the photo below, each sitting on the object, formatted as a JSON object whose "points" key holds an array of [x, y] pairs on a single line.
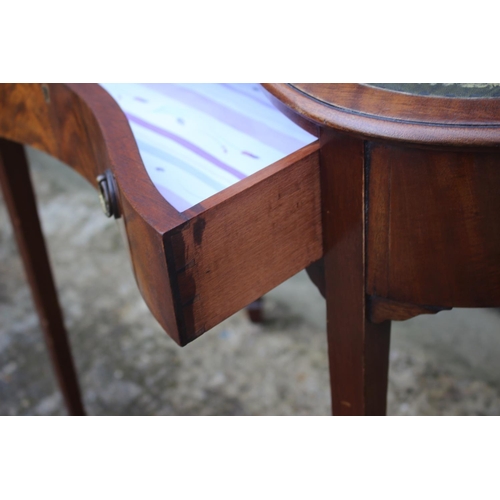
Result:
{"points": [[461, 90]]}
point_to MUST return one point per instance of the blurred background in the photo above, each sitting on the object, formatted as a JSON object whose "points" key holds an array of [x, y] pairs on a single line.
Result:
{"points": [[447, 364]]}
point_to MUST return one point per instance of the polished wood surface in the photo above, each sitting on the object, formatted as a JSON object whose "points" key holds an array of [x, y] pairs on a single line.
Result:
{"points": [[433, 236], [15, 183]]}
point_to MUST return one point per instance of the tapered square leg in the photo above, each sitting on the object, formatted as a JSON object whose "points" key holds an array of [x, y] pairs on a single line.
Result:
{"points": [[18, 192], [358, 350]]}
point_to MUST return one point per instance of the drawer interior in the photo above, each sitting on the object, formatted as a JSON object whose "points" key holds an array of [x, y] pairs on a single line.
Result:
{"points": [[195, 140]]}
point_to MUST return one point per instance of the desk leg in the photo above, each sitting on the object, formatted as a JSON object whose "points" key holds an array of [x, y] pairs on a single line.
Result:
{"points": [[18, 191], [358, 350], [255, 311]]}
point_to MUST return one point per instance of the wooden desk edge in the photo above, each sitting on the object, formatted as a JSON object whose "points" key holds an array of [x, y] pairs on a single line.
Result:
{"points": [[310, 112]]}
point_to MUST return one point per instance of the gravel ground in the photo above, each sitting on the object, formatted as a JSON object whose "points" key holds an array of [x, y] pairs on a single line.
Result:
{"points": [[440, 365]]}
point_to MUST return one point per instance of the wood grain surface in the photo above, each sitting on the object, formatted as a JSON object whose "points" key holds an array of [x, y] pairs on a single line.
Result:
{"points": [[433, 236], [245, 242]]}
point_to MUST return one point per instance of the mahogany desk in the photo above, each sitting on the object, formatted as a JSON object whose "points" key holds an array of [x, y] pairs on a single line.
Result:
{"points": [[393, 212]]}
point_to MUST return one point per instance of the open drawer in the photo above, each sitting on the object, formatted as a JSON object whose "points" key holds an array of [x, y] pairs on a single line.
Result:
{"points": [[201, 251]]}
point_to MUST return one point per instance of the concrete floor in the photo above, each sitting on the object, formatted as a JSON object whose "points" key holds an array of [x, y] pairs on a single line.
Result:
{"points": [[446, 364]]}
